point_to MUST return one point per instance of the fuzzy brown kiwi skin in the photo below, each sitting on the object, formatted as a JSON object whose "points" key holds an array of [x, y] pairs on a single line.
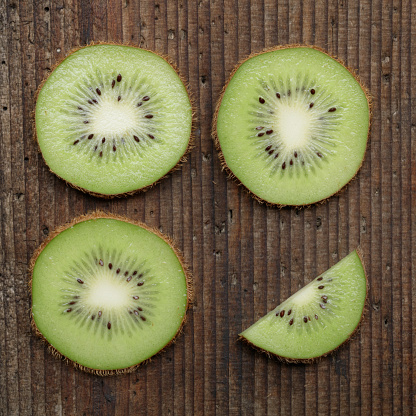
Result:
{"points": [[214, 132], [313, 360], [181, 160], [94, 216]]}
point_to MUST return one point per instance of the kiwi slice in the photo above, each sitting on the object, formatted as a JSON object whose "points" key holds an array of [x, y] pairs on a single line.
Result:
{"points": [[108, 293], [292, 125], [318, 318], [112, 119]]}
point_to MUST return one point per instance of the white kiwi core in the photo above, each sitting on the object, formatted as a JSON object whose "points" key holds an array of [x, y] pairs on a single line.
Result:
{"points": [[112, 118], [105, 290], [294, 125]]}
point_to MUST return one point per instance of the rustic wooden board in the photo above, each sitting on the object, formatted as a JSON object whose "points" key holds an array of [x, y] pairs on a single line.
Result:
{"points": [[246, 257]]}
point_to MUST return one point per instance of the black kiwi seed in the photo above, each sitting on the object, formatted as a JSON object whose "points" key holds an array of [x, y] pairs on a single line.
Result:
{"points": [[321, 287], [268, 148], [312, 91], [271, 152], [110, 266], [90, 102], [140, 284], [146, 98], [140, 309], [126, 273], [118, 77], [311, 105], [319, 278], [295, 154], [289, 312], [69, 310], [140, 275], [291, 322], [134, 273], [95, 148], [80, 281], [139, 104], [305, 319], [262, 100], [92, 317], [136, 138], [113, 83], [90, 136], [109, 325], [103, 140], [118, 271], [324, 298], [277, 95], [119, 98], [135, 297], [277, 313], [332, 109], [142, 318], [114, 148], [149, 115], [95, 101], [85, 121], [101, 154], [72, 303], [151, 136], [319, 155], [277, 155], [291, 162], [98, 91], [269, 131], [260, 134], [128, 279], [284, 165], [76, 141], [282, 313]]}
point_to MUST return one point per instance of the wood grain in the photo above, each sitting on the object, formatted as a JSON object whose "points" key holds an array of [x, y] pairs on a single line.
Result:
{"points": [[246, 257]]}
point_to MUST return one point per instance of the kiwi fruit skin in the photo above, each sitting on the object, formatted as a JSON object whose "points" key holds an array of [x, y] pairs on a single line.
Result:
{"points": [[311, 360], [215, 135], [183, 158], [103, 215]]}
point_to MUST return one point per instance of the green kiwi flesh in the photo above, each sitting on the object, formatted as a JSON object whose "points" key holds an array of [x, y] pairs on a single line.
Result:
{"points": [[292, 125], [108, 294], [113, 119], [318, 318]]}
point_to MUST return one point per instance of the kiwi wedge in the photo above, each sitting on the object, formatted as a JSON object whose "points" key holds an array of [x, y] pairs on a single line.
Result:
{"points": [[113, 119], [318, 318], [292, 125], [108, 293]]}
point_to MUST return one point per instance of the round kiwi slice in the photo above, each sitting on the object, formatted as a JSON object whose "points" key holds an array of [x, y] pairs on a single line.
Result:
{"points": [[112, 119], [108, 293], [318, 318], [292, 125]]}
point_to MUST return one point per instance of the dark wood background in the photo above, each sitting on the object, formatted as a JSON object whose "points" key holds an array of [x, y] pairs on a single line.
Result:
{"points": [[246, 257]]}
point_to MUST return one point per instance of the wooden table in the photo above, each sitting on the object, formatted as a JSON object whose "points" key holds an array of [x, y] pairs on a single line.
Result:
{"points": [[246, 257]]}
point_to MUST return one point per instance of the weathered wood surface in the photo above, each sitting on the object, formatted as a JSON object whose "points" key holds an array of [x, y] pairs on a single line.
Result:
{"points": [[246, 257]]}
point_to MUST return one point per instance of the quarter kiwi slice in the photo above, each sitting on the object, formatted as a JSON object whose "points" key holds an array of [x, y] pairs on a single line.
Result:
{"points": [[108, 293], [113, 119], [318, 318], [292, 125]]}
